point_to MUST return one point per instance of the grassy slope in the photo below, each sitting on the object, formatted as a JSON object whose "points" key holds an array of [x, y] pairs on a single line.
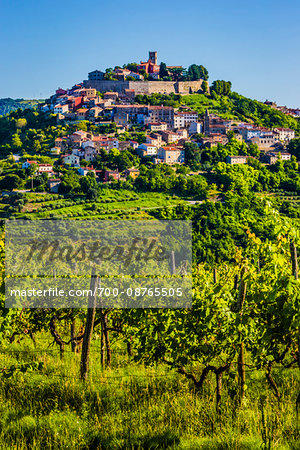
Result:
{"points": [[132, 407], [201, 102], [240, 108]]}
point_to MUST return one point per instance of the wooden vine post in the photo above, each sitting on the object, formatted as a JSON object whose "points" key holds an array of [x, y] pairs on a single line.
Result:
{"points": [[90, 319], [241, 357], [215, 276]]}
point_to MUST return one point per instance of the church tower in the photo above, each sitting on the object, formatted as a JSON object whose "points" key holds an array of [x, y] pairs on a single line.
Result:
{"points": [[153, 57]]}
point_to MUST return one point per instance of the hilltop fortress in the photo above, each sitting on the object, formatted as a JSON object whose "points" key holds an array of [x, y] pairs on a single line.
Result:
{"points": [[122, 85], [146, 87]]}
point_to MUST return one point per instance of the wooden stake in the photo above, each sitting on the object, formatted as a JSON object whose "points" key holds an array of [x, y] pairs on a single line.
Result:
{"points": [[90, 318], [215, 276], [241, 357]]}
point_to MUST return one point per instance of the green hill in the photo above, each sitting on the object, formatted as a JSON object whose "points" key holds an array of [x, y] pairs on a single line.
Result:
{"points": [[232, 106], [8, 105], [236, 106]]}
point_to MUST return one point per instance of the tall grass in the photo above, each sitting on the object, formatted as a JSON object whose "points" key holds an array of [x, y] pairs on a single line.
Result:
{"points": [[133, 407]]}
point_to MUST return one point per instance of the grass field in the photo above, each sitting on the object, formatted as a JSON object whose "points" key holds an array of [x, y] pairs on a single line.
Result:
{"points": [[133, 407]]}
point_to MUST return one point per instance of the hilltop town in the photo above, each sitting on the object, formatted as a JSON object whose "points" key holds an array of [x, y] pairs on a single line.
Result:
{"points": [[151, 142], [149, 226], [143, 115]]}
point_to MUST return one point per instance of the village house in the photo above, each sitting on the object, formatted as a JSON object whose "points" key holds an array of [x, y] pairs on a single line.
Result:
{"points": [[71, 159], [78, 137], [128, 95], [170, 136], [154, 140], [250, 132], [111, 174], [125, 114], [90, 142], [120, 129], [103, 104], [78, 152], [238, 136], [90, 153], [53, 185], [146, 150], [157, 137], [170, 155], [137, 76], [60, 91], [161, 114], [70, 116], [183, 119], [284, 156], [61, 143], [75, 103], [178, 121], [45, 108], [195, 128], [122, 74], [82, 114], [91, 102], [215, 124], [61, 109], [134, 144], [95, 111], [89, 93], [83, 171], [159, 126], [266, 141], [182, 134], [96, 75], [285, 134], [213, 140], [237, 159], [289, 111], [133, 173], [44, 168], [272, 157], [102, 142], [111, 96], [142, 114]]}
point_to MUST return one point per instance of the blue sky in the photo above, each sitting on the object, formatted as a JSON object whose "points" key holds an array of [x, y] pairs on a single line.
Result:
{"points": [[46, 44]]}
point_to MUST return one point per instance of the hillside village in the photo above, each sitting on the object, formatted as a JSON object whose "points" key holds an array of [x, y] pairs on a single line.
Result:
{"points": [[149, 225], [151, 133]]}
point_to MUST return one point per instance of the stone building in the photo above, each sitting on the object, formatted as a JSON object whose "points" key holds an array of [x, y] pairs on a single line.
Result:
{"points": [[237, 159], [215, 124]]}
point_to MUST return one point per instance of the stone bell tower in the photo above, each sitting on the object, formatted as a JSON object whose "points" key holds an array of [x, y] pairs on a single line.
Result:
{"points": [[153, 57]]}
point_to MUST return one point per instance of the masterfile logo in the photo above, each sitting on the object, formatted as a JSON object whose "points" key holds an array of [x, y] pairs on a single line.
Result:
{"points": [[138, 263]]}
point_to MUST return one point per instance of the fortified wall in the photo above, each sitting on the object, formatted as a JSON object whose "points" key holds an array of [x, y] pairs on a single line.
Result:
{"points": [[146, 87]]}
